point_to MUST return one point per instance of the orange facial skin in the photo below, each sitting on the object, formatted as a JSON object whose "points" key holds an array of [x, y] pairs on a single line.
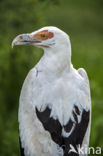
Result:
{"points": [[43, 35]]}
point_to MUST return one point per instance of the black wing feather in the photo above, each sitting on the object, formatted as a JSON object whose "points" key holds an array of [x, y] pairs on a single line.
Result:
{"points": [[55, 128]]}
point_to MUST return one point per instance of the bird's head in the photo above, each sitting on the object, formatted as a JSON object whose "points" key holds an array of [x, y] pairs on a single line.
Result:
{"points": [[46, 37]]}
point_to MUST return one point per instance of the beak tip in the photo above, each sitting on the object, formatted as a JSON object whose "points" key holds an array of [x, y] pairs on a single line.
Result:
{"points": [[12, 44]]}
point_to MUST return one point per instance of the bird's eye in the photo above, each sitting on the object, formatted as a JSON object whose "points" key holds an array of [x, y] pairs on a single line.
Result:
{"points": [[43, 35]]}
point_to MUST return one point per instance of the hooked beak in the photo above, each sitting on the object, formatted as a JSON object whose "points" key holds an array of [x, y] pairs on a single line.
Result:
{"points": [[24, 39]]}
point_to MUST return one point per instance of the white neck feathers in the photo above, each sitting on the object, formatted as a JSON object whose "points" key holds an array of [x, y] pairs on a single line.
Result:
{"points": [[56, 60]]}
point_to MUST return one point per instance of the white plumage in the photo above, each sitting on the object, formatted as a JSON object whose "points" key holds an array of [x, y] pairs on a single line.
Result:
{"points": [[55, 104]]}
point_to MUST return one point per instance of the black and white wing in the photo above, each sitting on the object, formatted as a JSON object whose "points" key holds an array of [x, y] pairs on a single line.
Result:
{"points": [[76, 132]]}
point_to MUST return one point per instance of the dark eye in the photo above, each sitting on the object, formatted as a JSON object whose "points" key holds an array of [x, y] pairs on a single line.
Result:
{"points": [[43, 35]]}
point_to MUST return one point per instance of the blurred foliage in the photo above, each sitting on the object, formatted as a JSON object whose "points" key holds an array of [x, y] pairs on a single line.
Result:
{"points": [[50, 2], [83, 21]]}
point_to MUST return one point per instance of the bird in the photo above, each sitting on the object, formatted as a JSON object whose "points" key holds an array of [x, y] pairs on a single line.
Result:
{"points": [[55, 103]]}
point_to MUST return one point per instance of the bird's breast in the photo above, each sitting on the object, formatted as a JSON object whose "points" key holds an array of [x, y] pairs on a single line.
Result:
{"points": [[59, 95]]}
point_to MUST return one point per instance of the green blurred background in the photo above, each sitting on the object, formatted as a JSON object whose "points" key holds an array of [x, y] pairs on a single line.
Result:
{"points": [[83, 21]]}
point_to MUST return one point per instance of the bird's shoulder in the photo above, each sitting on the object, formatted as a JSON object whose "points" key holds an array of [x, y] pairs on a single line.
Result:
{"points": [[32, 74], [28, 82], [79, 79], [85, 85], [80, 83], [83, 73]]}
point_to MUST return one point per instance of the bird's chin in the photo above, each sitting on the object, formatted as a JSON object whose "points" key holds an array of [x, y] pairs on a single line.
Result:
{"points": [[43, 46], [40, 45]]}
